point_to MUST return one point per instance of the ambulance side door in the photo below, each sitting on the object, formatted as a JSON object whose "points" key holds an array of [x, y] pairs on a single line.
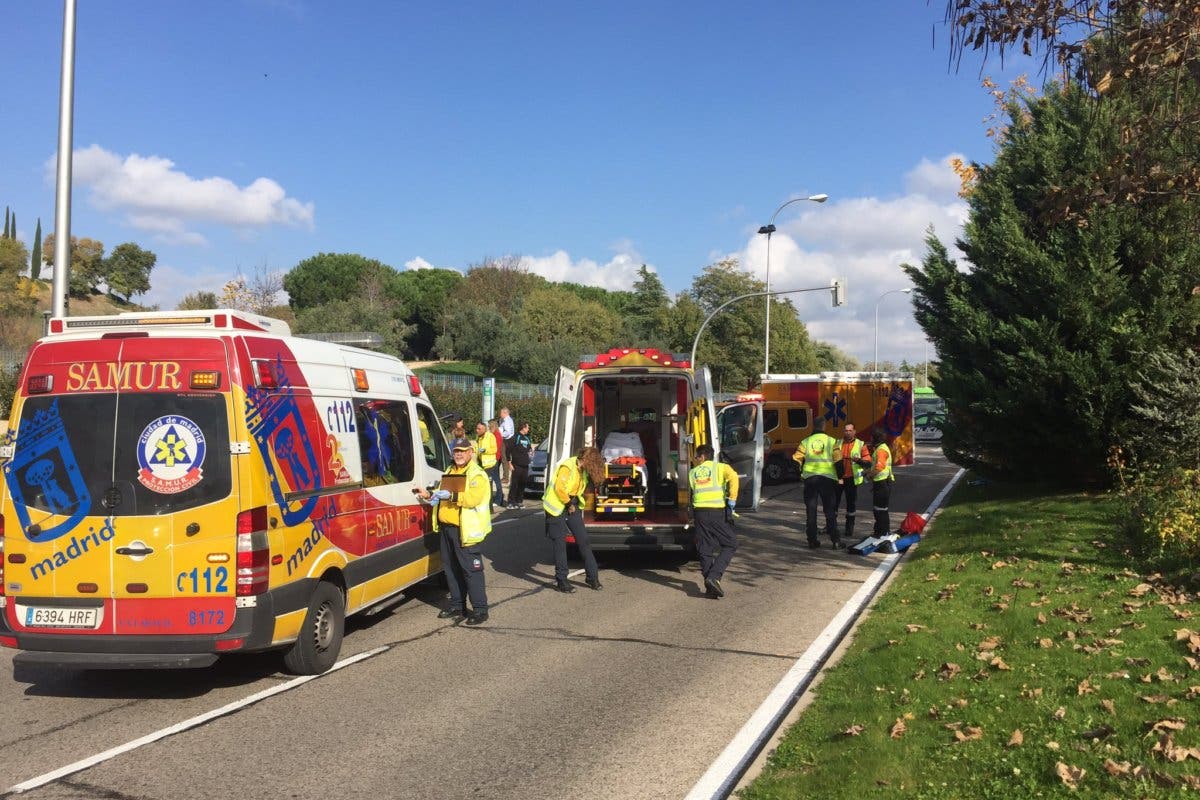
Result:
{"points": [[562, 418], [739, 427], [702, 417]]}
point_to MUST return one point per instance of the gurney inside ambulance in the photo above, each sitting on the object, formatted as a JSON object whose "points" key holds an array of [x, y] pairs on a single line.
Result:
{"points": [[624, 488]]}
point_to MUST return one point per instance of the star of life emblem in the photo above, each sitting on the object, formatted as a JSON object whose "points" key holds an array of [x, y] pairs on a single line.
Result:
{"points": [[170, 454]]}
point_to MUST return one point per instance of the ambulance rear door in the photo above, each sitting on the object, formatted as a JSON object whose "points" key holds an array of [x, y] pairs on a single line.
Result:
{"points": [[562, 418], [702, 416], [740, 433]]}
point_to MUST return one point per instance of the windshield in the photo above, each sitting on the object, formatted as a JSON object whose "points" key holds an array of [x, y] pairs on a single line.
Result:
{"points": [[121, 455]]}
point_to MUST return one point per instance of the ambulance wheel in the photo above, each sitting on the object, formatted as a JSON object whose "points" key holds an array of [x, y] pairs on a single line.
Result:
{"points": [[316, 650], [774, 471]]}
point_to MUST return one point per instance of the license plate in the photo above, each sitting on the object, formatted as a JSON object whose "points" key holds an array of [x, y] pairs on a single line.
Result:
{"points": [[46, 617]]}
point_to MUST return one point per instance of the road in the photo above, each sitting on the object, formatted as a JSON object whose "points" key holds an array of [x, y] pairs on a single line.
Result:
{"points": [[627, 692]]}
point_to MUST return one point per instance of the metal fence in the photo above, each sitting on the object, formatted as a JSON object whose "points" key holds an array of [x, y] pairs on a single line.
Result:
{"points": [[11, 358], [469, 383]]}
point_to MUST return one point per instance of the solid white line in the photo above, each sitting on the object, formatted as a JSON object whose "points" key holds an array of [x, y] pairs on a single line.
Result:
{"points": [[575, 572], [187, 724], [723, 774]]}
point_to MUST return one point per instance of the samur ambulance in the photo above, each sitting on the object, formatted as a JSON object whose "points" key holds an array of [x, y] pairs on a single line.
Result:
{"points": [[647, 411], [868, 399], [179, 485]]}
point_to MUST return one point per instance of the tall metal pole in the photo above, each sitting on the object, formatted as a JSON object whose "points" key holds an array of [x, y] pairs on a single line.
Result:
{"points": [[715, 311], [62, 199], [768, 229]]}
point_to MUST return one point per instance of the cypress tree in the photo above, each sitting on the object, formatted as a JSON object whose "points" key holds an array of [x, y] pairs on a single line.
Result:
{"points": [[5, 236], [35, 262]]}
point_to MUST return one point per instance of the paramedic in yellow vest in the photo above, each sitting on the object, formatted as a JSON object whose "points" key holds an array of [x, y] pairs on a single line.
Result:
{"points": [[488, 454], [563, 504], [462, 518], [714, 488], [815, 456], [852, 456], [881, 481]]}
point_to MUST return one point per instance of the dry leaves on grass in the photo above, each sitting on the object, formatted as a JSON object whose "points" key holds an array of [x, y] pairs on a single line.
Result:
{"points": [[1141, 590], [853, 730], [1103, 732], [949, 670], [1045, 643], [1084, 687], [1059, 713], [1108, 706], [999, 664], [1169, 724], [968, 733], [1017, 739], [1191, 637], [914, 628], [1069, 775], [1167, 749], [899, 728]]}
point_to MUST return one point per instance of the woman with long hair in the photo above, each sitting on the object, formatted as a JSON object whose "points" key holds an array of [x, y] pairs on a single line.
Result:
{"points": [[563, 504]]}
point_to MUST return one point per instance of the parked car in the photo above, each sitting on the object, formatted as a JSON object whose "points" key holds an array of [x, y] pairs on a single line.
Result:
{"points": [[535, 485]]}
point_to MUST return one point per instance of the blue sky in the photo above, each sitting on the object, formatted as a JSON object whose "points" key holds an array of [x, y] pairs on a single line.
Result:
{"points": [[589, 138]]}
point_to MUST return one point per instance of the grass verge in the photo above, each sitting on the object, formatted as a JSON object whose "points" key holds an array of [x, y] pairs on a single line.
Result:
{"points": [[1016, 654]]}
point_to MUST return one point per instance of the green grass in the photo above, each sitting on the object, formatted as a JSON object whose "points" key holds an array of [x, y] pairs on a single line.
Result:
{"points": [[452, 368], [1083, 661]]}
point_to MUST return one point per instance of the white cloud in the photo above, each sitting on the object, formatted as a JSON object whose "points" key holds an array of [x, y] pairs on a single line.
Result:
{"points": [[618, 274], [169, 285], [418, 263], [157, 197], [864, 240]]}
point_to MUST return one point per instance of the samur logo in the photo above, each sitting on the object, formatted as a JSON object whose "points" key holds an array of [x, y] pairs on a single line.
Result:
{"points": [[170, 454]]}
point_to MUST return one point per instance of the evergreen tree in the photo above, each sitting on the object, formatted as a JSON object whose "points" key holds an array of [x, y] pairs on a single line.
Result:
{"points": [[35, 261], [5, 236], [1039, 340]]}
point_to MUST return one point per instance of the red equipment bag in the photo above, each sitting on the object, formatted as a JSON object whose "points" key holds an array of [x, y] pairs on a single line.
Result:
{"points": [[913, 523]]}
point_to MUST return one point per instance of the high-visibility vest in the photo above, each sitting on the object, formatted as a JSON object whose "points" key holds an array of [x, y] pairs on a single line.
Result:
{"points": [[552, 504], [474, 522], [884, 474], [818, 450], [712, 484], [485, 447], [856, 449]]}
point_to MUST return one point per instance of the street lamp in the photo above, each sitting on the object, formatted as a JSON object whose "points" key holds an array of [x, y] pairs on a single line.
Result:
{"points": [[877, 302], [768, 229]]}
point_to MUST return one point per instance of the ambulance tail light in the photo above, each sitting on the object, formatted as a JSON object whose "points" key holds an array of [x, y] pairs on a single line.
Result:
{"points": [[253, 552], [39, 384], [264, 374]]}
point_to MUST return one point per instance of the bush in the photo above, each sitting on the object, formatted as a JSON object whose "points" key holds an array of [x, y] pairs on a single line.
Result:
{"points": [[1162, 514], [8, 387], [469, 405]]}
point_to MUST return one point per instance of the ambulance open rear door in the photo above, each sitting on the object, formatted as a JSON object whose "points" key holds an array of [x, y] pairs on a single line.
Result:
{"points": [[562, 419], [740, 433]]}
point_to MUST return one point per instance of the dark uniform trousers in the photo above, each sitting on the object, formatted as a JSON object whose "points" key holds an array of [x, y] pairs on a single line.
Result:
{"points": [[824, 489], [715, 541], [463, 567], [881, 496], [557, 529], [850, 489]]}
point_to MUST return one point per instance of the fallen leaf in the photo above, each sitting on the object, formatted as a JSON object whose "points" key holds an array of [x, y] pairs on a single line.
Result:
{"points": [[1103, 732], [949, 670], [918, 675], [1059, 713], [898, 729], [1041, 618], [1000, 606], [1052, 745], [1084, 687], [988, 591], [1117, 770], [1137, 662], [1108, 706], [1031, 693], [999, 565], [1045, 644], [1154, 698], [1017, 739], [1140, 590], [853, 730], [914, 628], [1118, 675], [961, 703], [1169, 724], [968, 734], [1070, 776], [931, 576], [1164, 676], [990, 643], [999, 664]]}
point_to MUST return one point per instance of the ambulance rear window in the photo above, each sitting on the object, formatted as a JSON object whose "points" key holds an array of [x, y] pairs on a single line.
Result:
{"points": [[132, 454]]}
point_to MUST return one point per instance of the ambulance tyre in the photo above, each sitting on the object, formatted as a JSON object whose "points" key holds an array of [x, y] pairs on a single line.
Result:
{"points": [[775, 470], [316, 650]]}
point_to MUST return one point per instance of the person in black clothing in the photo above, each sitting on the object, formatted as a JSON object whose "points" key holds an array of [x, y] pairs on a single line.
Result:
{"points": [[519, 455]]}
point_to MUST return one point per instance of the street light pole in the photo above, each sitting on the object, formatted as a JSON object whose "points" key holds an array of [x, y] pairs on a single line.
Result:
{"points": [[768, 229], [877, 302], [62, 199]]}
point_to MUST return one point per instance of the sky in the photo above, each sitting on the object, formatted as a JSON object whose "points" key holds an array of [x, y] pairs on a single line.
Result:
{"points": [[231, 136]]}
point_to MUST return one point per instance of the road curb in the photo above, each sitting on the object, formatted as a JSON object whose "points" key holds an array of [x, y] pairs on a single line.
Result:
{"points": [[742, 758]]}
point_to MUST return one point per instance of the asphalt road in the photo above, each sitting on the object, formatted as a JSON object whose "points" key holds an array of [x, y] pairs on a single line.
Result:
{"points": [[627, 692]]}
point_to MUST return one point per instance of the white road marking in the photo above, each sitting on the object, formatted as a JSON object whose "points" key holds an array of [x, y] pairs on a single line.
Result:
{"points": [[574, 572], [722, 776], [187, 724]]}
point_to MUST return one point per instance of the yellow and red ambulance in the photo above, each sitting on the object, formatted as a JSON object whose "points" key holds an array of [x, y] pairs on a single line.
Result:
{"points": [[647, 411], [178, 485]]}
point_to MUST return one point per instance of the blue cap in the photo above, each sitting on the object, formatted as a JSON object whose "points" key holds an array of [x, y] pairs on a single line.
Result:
{"points": [[461, 444]]}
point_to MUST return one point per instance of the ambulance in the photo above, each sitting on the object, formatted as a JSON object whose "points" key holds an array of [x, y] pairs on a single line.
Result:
{"points": [[180, 485], [647, 411], [868, 399]]}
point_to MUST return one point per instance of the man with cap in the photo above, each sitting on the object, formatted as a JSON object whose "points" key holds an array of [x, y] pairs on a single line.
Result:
{"points": [[463, 518], [815, 456]]}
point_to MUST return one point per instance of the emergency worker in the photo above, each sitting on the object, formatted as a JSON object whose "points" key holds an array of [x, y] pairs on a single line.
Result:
{"points": [[487, 454], [853, 456], [463, 518], [815, 456], [714, 495], [881, 481], [563, 503]]}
